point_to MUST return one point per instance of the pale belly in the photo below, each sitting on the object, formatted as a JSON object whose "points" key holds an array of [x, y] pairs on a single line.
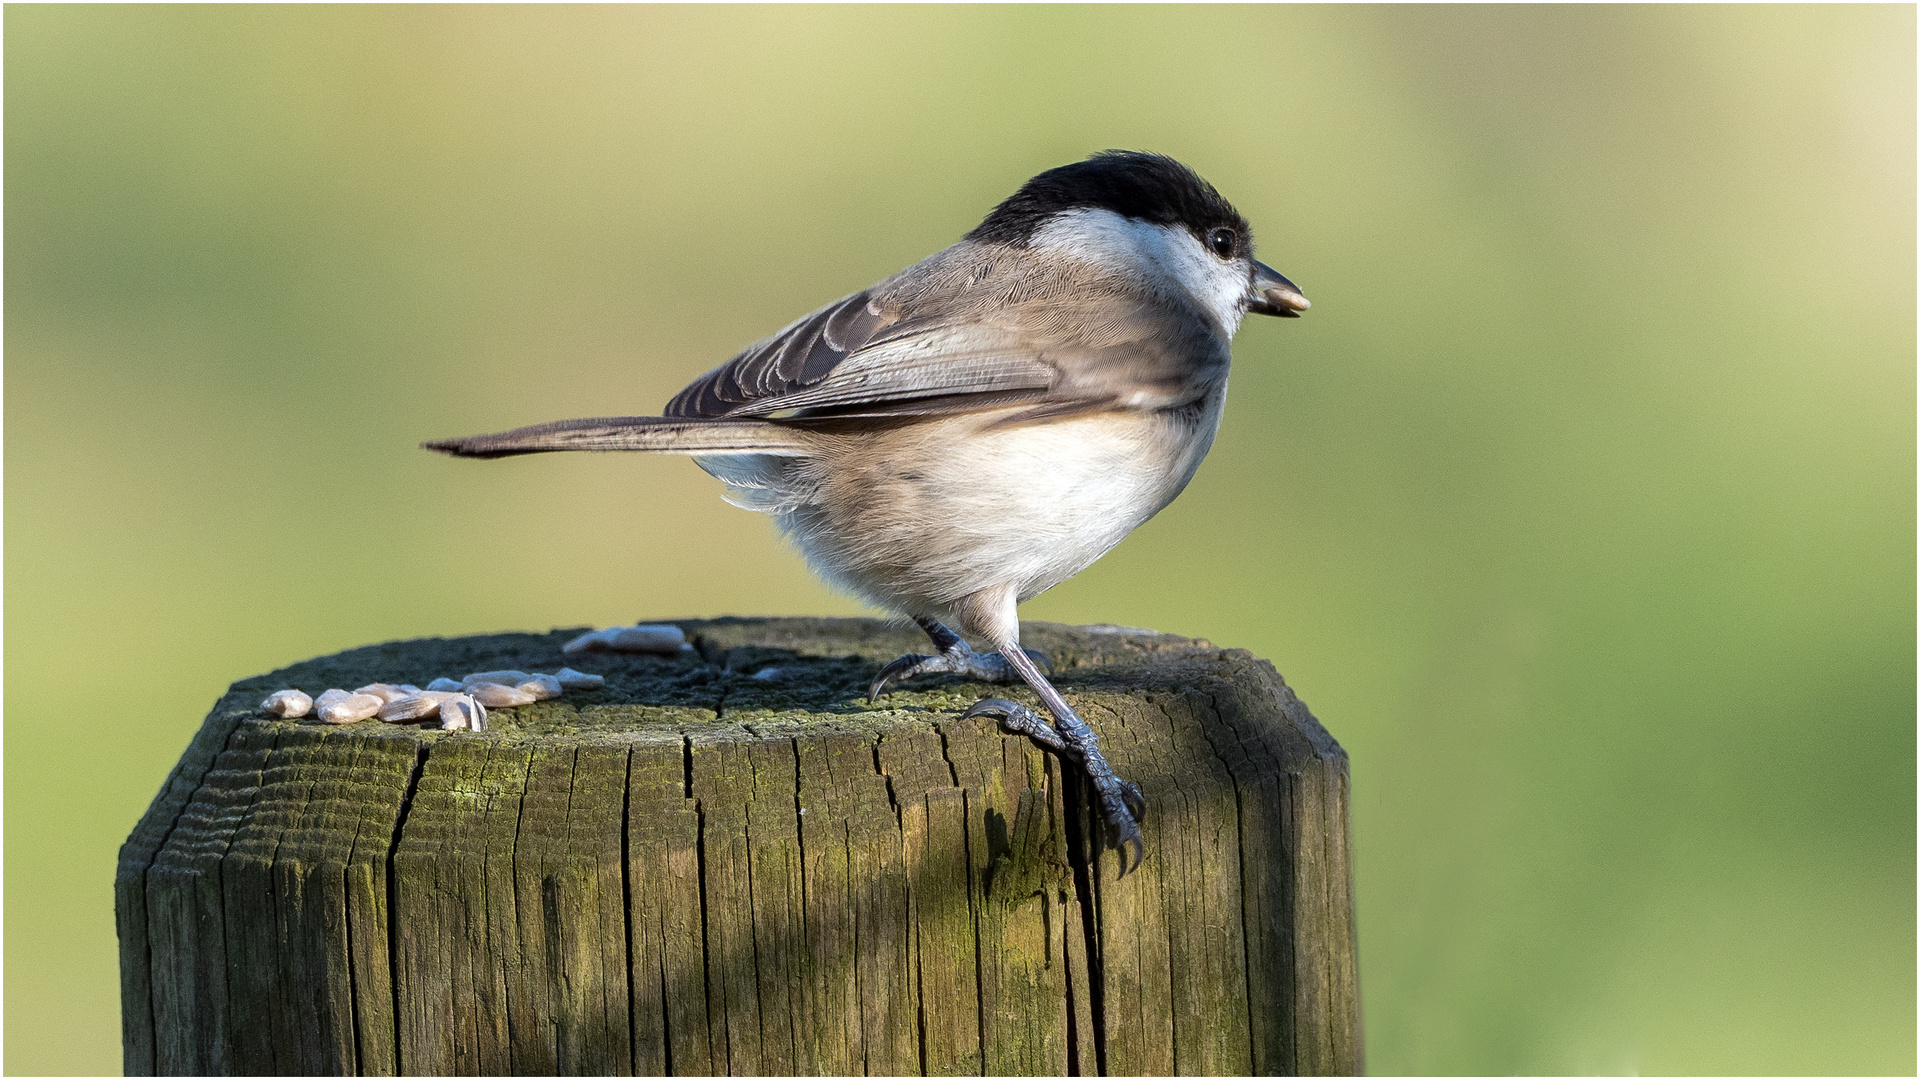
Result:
{"points": [[916, 518]]}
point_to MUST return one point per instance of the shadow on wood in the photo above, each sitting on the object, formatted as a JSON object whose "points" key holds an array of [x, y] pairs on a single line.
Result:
{"points": [[700, 871]]}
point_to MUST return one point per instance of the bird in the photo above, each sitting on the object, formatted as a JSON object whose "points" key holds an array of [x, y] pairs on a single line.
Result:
{"points": [[985, 424]]}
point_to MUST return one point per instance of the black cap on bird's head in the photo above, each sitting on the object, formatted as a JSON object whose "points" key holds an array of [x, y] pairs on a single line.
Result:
{"points": [[1134, 184], [1145, 187]]}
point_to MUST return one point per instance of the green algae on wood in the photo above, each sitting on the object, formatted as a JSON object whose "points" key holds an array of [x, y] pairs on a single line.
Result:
{"points": [[696, 871]]}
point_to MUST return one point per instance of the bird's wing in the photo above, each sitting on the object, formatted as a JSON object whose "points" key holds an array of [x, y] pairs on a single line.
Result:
{"points": [[860, 356], [967, 329], [799, 356]]}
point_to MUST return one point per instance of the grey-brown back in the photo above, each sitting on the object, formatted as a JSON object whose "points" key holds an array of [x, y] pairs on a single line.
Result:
{"points": [[978, 319]]}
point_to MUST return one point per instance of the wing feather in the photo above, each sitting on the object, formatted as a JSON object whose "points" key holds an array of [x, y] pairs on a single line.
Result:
{"points": [[859, 354], [946, 364], [801, 355], [658, 434]]}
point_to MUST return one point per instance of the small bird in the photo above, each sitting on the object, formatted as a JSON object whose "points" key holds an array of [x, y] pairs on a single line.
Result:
{"points": [[986, 423]]}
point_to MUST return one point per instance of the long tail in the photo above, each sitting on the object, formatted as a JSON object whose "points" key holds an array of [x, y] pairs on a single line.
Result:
{"points": [[658, 434]]}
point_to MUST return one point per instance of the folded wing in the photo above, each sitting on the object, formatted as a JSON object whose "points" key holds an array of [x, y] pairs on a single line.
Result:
{"points": [[858, 357]]}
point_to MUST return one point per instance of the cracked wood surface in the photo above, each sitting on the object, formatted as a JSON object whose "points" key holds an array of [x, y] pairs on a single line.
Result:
{"points": [[695, 871]]}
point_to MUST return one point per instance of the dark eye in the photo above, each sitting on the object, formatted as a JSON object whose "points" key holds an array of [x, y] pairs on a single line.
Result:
{"points": [[1221, 241]]}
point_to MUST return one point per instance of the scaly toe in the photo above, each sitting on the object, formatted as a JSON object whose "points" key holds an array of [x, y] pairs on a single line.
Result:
{"points": [[960, 660], [1136, 802], [1122, 807], [1017, 719]]}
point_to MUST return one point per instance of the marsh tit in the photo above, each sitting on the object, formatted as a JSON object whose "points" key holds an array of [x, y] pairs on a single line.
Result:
{"points": [[986, 423]]}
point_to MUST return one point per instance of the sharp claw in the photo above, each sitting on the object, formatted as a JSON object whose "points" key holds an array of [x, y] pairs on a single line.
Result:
{"points": [[1121, 836], [989, 706], [1123, 823], [1040, 658], [892, 671]]}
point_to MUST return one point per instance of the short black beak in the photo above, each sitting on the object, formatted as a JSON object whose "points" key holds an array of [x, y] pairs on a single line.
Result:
{"points": [[1273, 294]]}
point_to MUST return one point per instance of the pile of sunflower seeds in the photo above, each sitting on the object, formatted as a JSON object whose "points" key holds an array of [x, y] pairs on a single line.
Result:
{"points": [[463, 705], [459, 706]]}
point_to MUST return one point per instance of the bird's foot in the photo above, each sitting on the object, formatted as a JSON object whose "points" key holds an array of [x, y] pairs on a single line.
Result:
{"points": [[957, 658], [1122, 808]]}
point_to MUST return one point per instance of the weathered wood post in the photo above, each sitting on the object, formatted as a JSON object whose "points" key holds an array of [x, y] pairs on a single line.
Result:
{"points": [[712, 867]]}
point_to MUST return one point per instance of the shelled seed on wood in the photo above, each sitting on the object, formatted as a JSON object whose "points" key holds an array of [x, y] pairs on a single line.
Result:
{"points": [[347, 710], [647, 639], [543, 687], [462, 712], [386, 692], [330, 697], [287, 703], [411, 707], [495, 696], [507, 677], [579, 680], [769, 674], [660, 639], [591, 641], [444, 685]]}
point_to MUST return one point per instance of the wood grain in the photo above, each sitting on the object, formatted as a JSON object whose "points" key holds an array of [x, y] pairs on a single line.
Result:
{"points": [[727, 862]]}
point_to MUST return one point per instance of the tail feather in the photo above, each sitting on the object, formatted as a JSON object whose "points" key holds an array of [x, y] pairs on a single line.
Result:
{"points": [[656, 434]]}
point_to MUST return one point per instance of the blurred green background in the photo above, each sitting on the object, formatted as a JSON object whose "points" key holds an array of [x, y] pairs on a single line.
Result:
{"points": [[1580, 509]]}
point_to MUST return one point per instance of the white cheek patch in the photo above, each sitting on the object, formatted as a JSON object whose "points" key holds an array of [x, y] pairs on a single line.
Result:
{"points": [[1220, 285], [1101, 237], [1167, 254]]}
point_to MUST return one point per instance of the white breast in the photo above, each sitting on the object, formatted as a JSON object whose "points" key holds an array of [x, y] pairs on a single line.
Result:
{"points": [[1040, 504], [923, 516]]}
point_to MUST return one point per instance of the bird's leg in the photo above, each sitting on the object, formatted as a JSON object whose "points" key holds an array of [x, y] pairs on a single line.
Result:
{"points": [[955, 657], [1121, 806]]}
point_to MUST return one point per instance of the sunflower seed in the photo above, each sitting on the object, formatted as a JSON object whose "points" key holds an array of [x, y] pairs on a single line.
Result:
{"points": [[444, 685], [591, 641], [660, 639], [460, 712], [349, 709], [543, 687], [501, 678], [386, 692], [411, 707], [496, 696], [287, 703], [579, 680]]}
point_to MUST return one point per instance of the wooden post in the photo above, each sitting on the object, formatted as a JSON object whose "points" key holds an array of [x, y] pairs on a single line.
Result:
{"points": [[710, 867]]}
